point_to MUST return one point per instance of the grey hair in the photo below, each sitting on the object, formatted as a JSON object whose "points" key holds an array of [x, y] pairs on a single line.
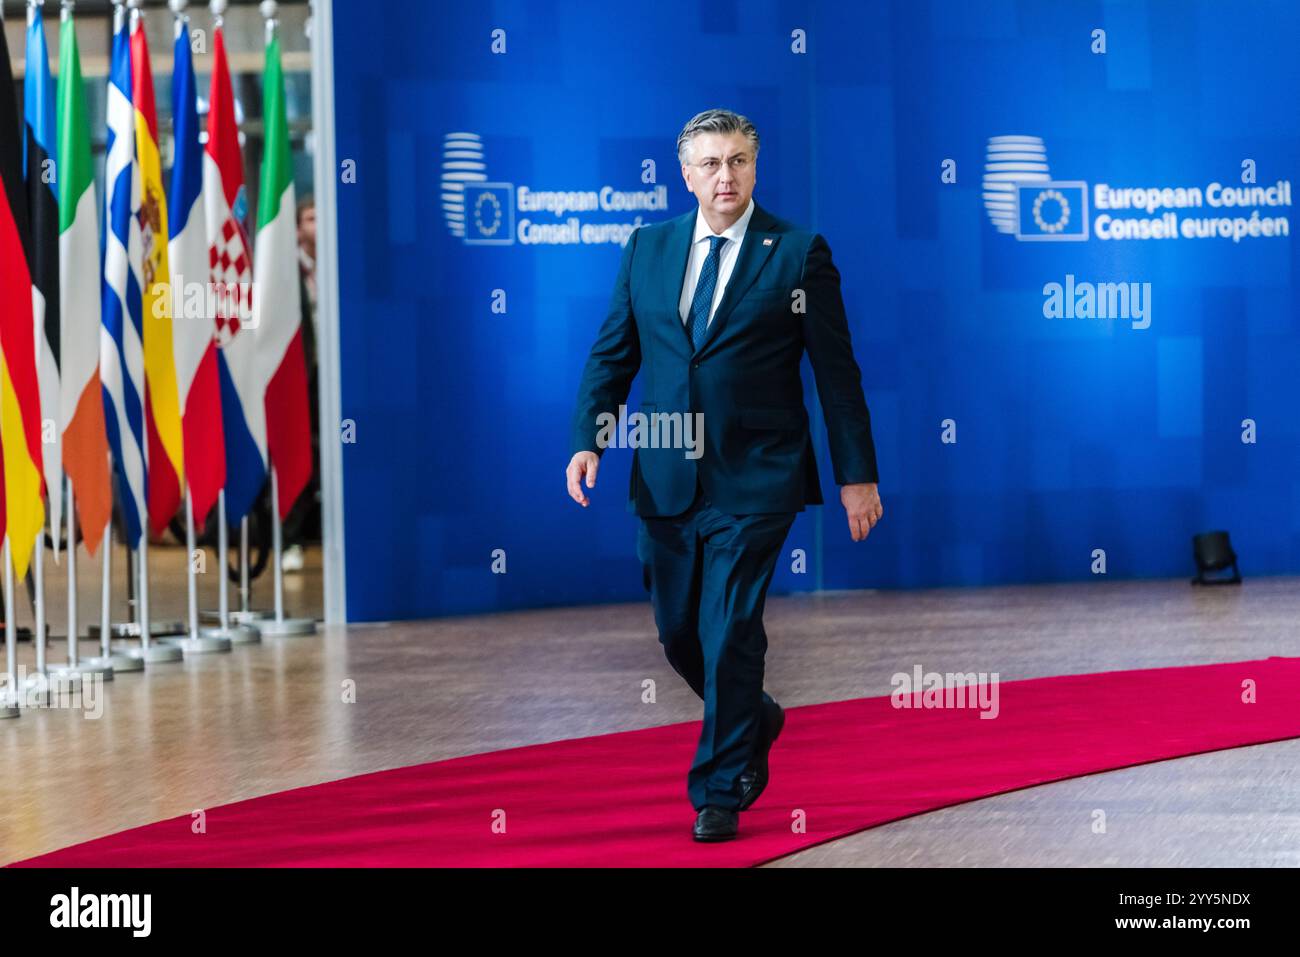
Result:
{"points": [[715, 121]]}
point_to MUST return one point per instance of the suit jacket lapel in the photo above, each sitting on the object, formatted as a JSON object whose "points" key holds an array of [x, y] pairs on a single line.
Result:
{"points": [[753, 256], [677, 254]]}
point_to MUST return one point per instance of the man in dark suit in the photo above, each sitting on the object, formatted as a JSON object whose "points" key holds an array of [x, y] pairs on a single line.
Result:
{"points": [[716, 307]]}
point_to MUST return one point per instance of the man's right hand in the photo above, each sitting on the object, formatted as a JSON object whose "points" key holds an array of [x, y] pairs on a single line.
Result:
{"points": [[582, 464]]}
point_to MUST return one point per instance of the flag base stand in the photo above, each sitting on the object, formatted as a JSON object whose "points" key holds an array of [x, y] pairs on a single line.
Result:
{"points": [[236, 634], [131, 629], [8, 710], [84, 669], [202, 645], [287, 627], [212, 616], [156, 654], [157, 629], [280, 626], [59, 679], [118, 661], [85, 666], [36, 690], [66, 680], [252, 618]]}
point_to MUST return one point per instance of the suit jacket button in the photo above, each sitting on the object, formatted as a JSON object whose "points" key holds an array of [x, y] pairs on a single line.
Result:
{"points": [[695, 365]]}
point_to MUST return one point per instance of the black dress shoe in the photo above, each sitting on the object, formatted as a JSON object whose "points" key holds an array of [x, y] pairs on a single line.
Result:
{"points": [[754, 778], [716, 824]]}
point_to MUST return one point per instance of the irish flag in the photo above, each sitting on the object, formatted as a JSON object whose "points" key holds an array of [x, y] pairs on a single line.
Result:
{"points": [[85, 445], [277, 304], [165, 471]]}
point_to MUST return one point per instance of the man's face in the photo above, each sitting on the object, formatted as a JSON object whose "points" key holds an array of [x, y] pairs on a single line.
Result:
{"points": [[307, 229], [720, 171]]}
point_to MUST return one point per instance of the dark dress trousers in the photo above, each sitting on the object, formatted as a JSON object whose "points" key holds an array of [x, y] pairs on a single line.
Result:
{"points": [[712, 527]]}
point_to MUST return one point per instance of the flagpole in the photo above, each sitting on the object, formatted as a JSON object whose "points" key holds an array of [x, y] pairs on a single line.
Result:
{"points": [[116, 217], [243, 569], [150, 652], [38, 578], [72, 553], [279, 626], [75, 668], [106, 596], [118, 660], [242, 615], [142, 592], [223, 544], [239, 634], [9, 704], [246, 615], [207, 640], [194, 641], [38, 683]]}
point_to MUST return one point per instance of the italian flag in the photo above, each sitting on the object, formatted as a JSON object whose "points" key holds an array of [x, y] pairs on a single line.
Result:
{"points": [[277, 299]]}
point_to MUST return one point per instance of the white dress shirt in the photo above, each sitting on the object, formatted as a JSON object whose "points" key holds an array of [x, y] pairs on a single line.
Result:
{"points": [[700, 252]]}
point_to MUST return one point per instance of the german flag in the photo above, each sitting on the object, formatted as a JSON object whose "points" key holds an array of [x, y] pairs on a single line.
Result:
{"points": [[20, 397]]}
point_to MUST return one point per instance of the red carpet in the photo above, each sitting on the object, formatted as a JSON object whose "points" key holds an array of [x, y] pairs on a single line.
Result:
{"points": [[620, 799]]}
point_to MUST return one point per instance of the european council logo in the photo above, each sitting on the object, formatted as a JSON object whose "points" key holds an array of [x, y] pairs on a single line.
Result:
{"points": [[489, 214], [1008, 162], [479, 212], [1053, 211]]}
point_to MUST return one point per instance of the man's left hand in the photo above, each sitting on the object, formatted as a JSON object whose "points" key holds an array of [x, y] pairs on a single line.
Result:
{"points": [[863, 508]]}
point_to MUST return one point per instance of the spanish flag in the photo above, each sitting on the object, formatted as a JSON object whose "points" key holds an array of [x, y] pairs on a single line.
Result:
{"points": [[165, 470], [20, 397]]}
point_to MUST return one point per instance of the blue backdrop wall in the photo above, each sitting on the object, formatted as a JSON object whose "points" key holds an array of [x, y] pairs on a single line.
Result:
{"points": [[960, 158]]}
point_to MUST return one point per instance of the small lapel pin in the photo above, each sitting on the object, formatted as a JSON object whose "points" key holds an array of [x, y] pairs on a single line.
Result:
{"points": [[768, 241]]}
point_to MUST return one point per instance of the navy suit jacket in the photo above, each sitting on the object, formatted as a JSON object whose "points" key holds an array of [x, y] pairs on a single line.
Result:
{"points": [[757, 452]]}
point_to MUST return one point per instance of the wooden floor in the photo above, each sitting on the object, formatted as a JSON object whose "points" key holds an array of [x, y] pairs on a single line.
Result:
{"points": [[220, 728]]}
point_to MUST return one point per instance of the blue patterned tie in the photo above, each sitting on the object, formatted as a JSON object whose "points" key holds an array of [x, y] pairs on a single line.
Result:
{"points": [[703, 300]]}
